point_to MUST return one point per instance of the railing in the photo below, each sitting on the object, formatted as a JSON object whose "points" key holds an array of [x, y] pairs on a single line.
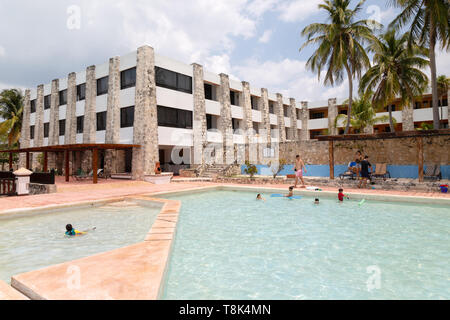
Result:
{"points": [[7, 186]]}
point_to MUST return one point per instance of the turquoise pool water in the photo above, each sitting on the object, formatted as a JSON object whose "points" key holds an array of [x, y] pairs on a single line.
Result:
{"points": [[36, 241], [230, 246]]}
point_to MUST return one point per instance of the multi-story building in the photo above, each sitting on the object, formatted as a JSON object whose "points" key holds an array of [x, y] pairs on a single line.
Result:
{"points": [[172, 110]]}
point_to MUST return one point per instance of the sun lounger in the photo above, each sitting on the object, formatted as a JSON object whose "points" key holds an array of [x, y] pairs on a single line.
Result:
{"points": [[433, 172], [348, 174], [81, 175], [381, 171]]}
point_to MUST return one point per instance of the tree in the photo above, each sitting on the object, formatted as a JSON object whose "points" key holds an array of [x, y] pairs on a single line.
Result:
{"points": [[429, 25], [443, 85], [395, 72], [363, 114], [11, 107], [340, 45]]}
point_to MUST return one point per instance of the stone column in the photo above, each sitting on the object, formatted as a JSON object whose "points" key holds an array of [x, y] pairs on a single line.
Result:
{"points": [[145, 131], [293, 133], [71, 120], [264, 107], [279, 107], [407, 118], [332, 114], [39, 123], [224, 124], [250, 153], [25, 131], [199, 115], [53, 135], [304, 133], [112, 134]]}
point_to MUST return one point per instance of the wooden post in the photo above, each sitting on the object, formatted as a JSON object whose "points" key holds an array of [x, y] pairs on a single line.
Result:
{"points": [[94, 165], [45, 161], [331, 158], [420, 157], [28, 161], [10, 161], [66, 164]]}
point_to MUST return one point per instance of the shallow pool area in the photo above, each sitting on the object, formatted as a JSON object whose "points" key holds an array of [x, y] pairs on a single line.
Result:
{"points": [[37, 240], [230, 246]]}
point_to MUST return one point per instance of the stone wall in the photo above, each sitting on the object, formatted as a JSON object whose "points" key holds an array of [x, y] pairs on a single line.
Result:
{"points": [[37, 188], [392, 151]]}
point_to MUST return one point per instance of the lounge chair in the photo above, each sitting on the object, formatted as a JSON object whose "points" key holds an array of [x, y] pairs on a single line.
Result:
{"points": [[348, 174], [81, 175], [433, 172], [381, 171]]}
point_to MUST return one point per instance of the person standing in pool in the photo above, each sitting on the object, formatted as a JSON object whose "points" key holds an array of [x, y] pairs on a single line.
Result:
{"points": [[298, 168], [291, 192]]}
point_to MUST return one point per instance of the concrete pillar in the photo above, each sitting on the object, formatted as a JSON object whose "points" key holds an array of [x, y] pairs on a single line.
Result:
{"points": [[199, 115], [112, 134], [225, 125], [293, 130], [53, 135], [407, 118], [90, 117], [250, 150], [39, 123], [448, 107], [264, 108], [332, 114], [71, 120], [145, 131], [25, 131], [304, 133], [279, 110]]}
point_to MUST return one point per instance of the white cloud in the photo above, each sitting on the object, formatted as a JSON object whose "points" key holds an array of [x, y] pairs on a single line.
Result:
{"points": [[259, 7], [288, 77], [443, 63], [265, 36], [298, 10]]}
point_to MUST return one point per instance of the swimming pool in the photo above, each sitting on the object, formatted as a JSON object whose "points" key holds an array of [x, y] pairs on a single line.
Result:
{"points": [[230, 246], [37, 240]]}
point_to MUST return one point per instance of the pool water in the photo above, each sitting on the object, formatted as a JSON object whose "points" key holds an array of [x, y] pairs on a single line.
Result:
{"points": [[35, 241], [230, 246]]}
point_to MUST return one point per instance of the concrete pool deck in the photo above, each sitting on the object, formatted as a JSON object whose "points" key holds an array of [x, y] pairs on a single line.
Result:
{"points": [[139, 269]]}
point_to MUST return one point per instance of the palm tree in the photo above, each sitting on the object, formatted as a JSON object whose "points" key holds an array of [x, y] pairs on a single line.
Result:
{"points": [[395, 73], [11, 107], [429, 25], [363, 114], [339, 45], [443, 85]]}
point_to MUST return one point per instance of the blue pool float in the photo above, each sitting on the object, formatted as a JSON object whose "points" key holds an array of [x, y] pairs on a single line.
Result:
{"points": [[277, 195]]}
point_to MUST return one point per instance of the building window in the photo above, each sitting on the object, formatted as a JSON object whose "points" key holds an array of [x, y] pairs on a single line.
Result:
{"points": [[271, 107], [417, 105], [33, 106], [126, 117], [234, 98], [173, 80], [286, 111], [46, 129], [80, 124], [210, 92], [62, 127], [343, 111], [101, 121], [81, 91], [31, 132], [235, 124], [175, 118], [102, 86], [317, 115], [128, 78], [47, 102], [256, 127], [254, 102], [63, 97], [314, 134]]}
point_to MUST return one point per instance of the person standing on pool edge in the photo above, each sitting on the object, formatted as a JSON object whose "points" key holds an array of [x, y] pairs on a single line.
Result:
{"points": [[365, 164], [298, 168]]}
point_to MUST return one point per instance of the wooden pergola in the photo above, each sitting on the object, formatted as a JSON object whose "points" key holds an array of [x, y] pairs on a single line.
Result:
{"points": [[419, 134], [67, 148]]}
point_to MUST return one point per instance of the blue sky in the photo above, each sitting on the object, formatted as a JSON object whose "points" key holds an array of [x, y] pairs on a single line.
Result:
{"points": [[251, 40]]}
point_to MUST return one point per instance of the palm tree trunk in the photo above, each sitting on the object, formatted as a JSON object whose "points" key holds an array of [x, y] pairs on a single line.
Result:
{"points": [[432, 56], [391, 122], [350, 98]]}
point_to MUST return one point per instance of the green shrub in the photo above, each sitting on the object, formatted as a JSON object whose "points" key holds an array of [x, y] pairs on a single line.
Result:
{"points": [[250, 169]]}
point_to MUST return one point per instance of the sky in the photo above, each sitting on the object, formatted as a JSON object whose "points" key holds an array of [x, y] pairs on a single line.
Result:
{"points": [[251, 40]]}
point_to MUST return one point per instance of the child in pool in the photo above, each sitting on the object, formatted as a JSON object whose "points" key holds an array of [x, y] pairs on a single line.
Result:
{"points": [[259, 197], [316, 201], [291, 192], [341, 195], [70, 231]]}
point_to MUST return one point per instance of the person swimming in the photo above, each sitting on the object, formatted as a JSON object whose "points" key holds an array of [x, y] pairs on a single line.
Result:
{"points": [[70, 231], [259, 197], [316, 201], [291, 192]]}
